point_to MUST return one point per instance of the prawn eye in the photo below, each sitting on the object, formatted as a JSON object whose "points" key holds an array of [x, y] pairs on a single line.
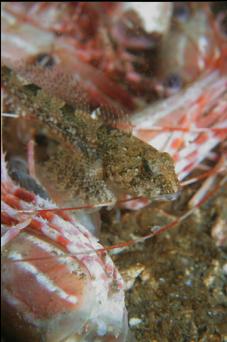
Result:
{"points": [[45, 60], [41, 139], [222, 23], [181, 11], [173, 82]]}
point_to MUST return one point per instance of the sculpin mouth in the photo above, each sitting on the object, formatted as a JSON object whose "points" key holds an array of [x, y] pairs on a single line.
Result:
{"points": [[167, 197]]}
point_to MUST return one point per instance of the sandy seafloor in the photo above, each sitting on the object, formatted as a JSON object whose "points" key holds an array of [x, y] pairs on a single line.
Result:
{"points": [[177, 282]]}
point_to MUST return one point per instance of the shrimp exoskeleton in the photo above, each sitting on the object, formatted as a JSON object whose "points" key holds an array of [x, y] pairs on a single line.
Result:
{"points": [[55, 283]]}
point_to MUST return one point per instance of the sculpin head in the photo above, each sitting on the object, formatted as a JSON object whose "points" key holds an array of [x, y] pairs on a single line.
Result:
{"points": [[136, 168]]}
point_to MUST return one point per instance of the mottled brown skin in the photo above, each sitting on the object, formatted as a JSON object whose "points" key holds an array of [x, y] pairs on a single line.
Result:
{"points": [[96, 161], [131, 164]]}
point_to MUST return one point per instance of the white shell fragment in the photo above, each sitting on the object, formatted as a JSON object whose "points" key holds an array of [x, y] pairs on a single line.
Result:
{"points": [[151, 14]]}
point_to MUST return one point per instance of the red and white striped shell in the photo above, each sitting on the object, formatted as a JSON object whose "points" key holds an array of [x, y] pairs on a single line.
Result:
{"points": [[55, 284]]}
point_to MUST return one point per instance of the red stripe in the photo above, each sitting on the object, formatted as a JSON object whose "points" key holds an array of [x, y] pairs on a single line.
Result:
{"points": [[12, 201], [36, 224], [201, 139], [62, 240], [177, 143], [6, 219], [48, 215], [24, 195], [188, 167], [192, 155], [65, 216]]}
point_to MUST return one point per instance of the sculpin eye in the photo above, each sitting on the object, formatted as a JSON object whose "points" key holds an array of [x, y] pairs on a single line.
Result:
{"points": [[41, 139], [181, 11], [45, 60], [222, 24], [173, 82]]}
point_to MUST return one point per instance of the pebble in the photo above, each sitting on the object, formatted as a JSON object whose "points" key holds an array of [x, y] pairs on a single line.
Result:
{"points": [[134, 321]]}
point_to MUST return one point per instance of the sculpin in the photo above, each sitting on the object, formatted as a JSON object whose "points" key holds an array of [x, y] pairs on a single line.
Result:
{"points": [[93, 161]]}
